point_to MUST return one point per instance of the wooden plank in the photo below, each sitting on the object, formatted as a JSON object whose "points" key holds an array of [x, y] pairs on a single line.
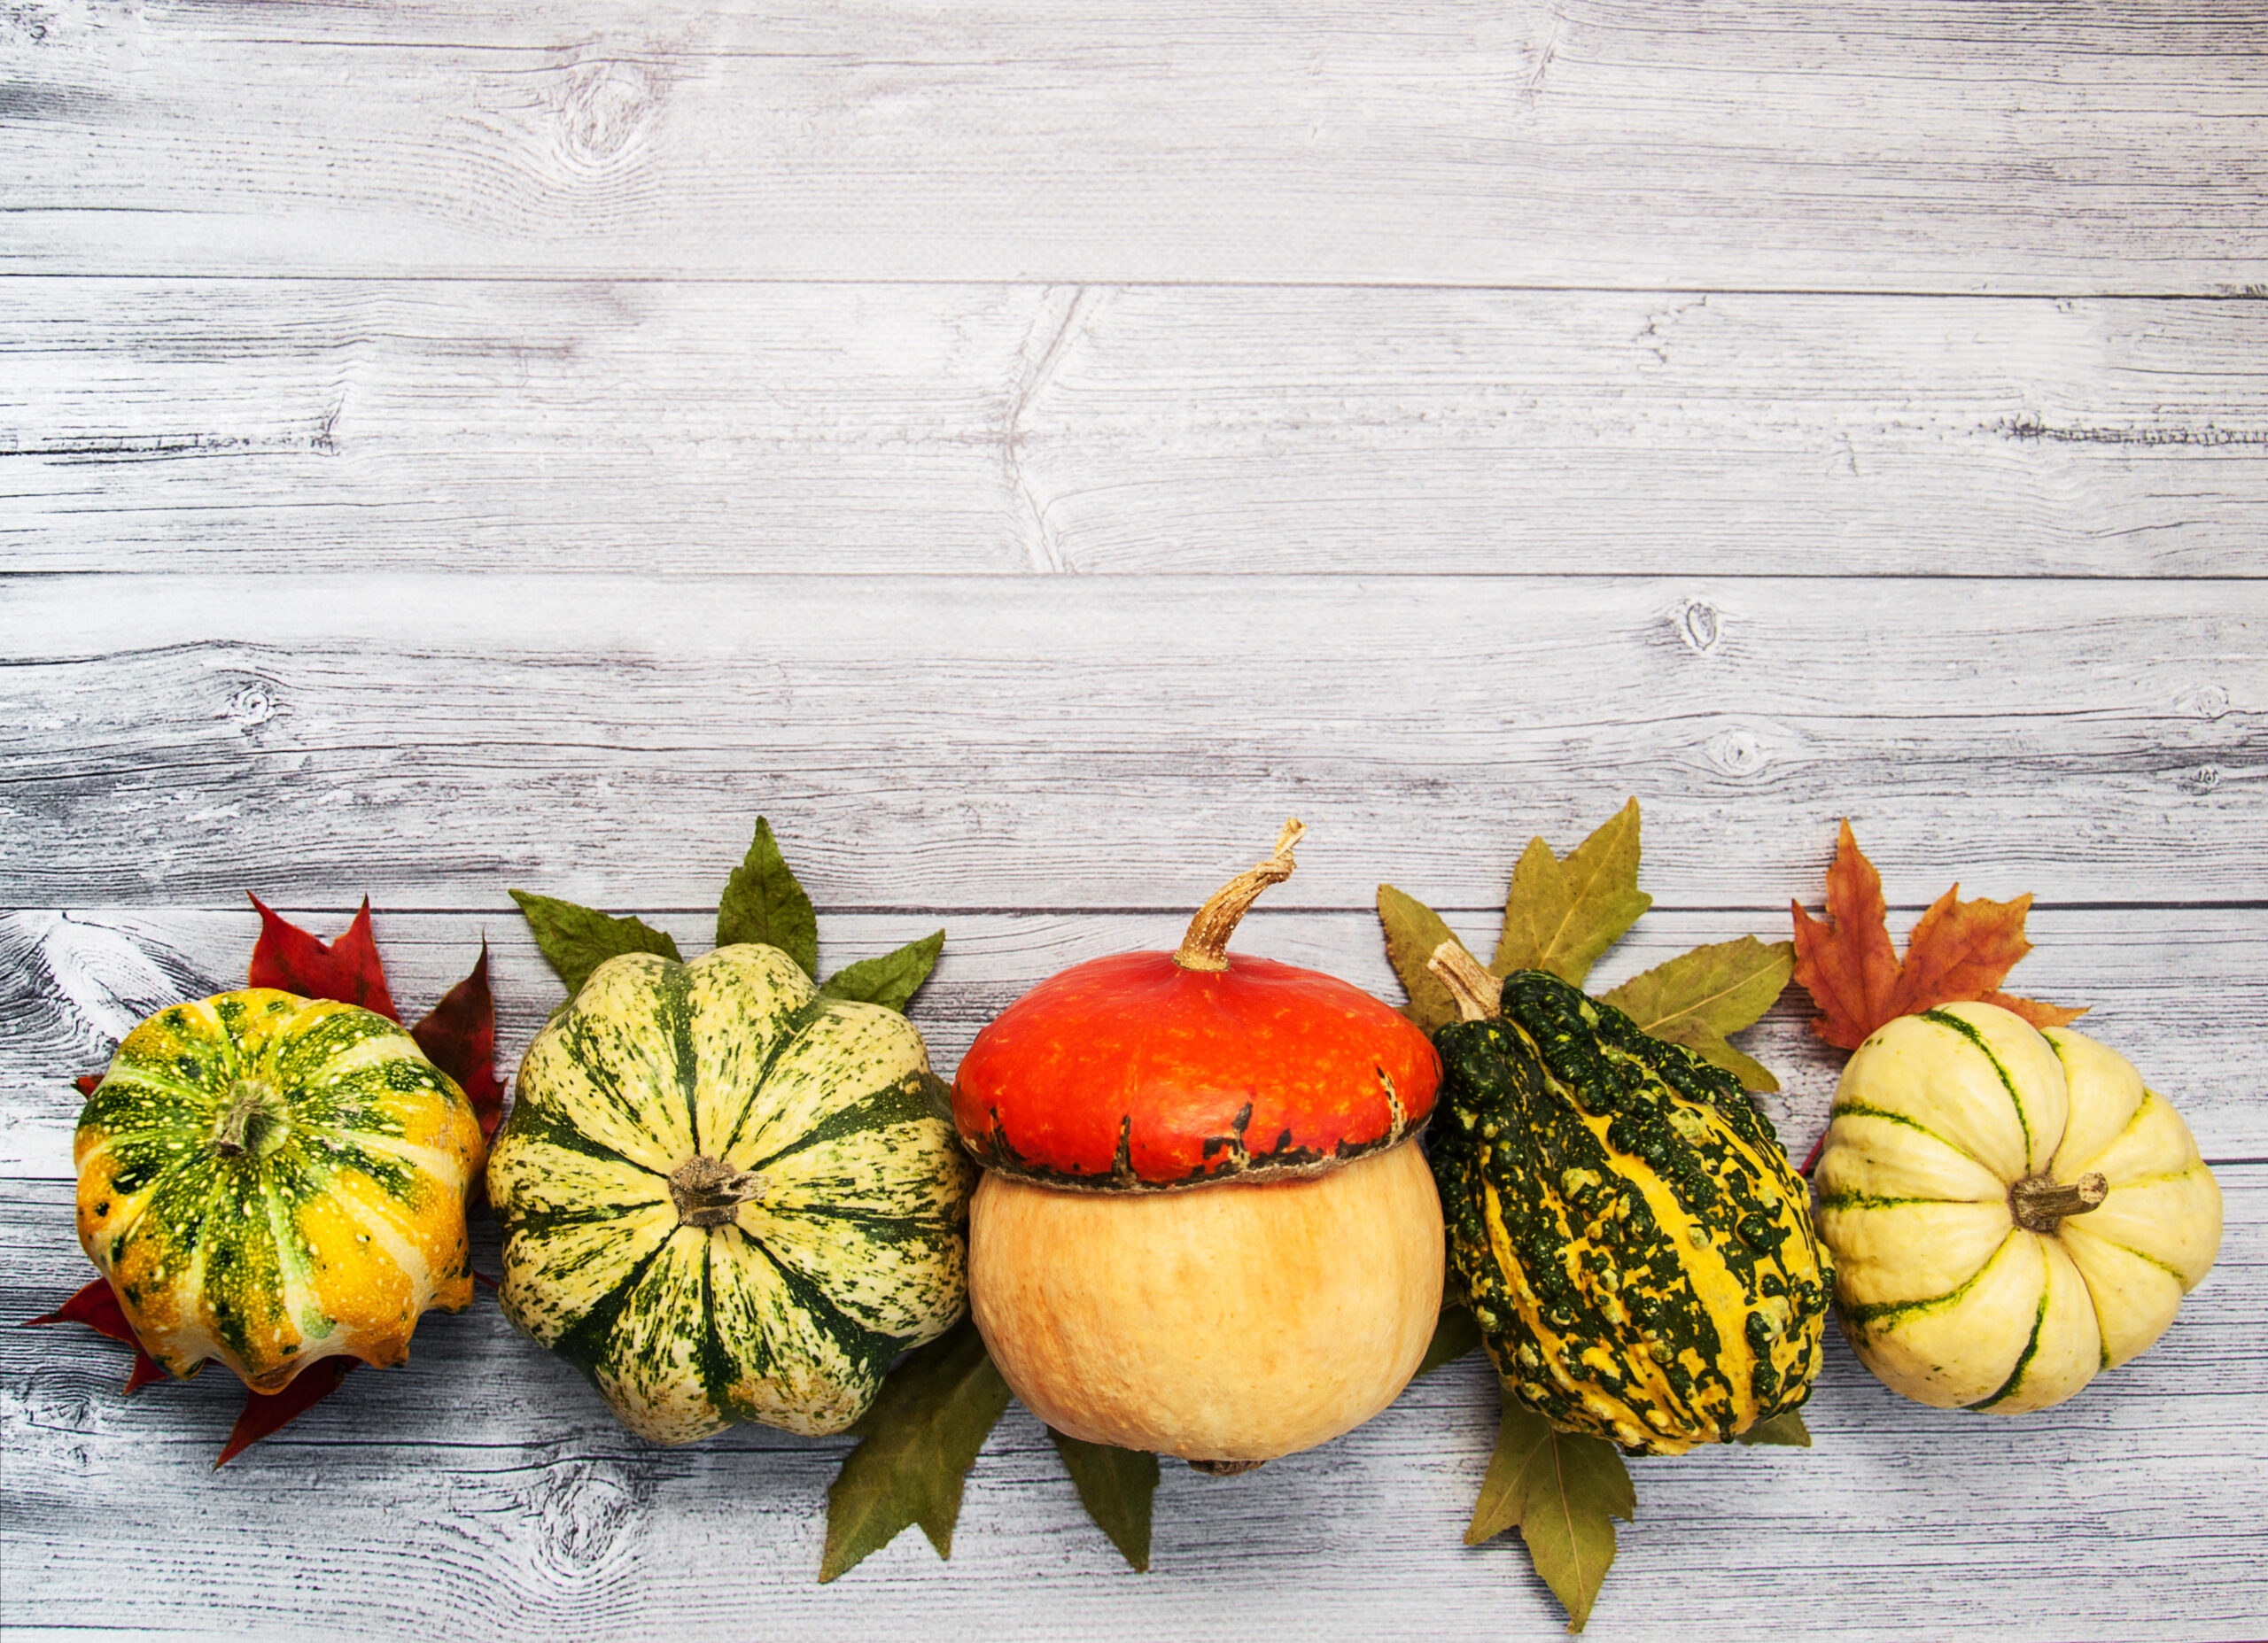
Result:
{"points": [[699, 427], [484, 1484], [1938, 146], [2179, 991], [1070, 742]]}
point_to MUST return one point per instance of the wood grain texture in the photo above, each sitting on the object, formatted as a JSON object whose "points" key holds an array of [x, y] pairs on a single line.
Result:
{"points": [[700, 427], [487, 1484], [1742, 145], [2180, 992], [1071, 742]]}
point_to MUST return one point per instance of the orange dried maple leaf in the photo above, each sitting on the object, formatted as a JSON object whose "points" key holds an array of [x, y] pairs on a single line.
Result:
{"points": [[1958, 951]]}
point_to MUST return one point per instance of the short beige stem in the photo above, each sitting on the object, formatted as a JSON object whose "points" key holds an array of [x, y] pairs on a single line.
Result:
{"points": [[1478, 993], [709, 1194], [1205, 947], [2041, 1202]]}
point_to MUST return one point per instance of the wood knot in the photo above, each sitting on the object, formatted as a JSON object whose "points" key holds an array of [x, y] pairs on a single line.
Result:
{"points": [[602, 109]]}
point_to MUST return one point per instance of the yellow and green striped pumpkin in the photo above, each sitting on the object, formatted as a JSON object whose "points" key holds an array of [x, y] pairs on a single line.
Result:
{"points": [[270, 1181], [1637, 1249], [727, 1198]]}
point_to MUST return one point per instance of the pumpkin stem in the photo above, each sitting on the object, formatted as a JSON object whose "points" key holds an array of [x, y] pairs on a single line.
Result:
{"points": [[709, 1194], [251, 1113], [2041, 1202], [1226, 1469], [1478, 993], [1205, 947]]}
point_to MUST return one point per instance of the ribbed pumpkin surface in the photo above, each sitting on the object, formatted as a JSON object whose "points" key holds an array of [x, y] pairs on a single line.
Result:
{"points": [[1635, 1247], [725, 1197], [1940, 1120], [271, 1180]]}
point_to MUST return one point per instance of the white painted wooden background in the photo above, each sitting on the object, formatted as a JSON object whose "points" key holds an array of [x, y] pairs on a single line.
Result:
{"points": [[1026, 451]]}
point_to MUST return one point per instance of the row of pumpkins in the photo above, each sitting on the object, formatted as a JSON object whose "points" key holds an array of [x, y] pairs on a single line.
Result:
{"points": [[1180, 1192]]}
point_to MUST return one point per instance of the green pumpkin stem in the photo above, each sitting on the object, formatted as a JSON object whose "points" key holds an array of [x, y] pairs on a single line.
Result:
{"points": [[1205, 947], [1478, 995], [2041, 1202], [250, 1113]]}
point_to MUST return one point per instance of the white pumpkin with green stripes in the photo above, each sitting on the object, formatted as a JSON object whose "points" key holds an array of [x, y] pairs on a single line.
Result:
{"points": [[726, 1198], [2011, 1210]]}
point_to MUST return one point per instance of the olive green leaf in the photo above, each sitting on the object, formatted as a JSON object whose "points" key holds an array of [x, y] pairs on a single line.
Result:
{"points": [[1787, 1429], [578, 940], [890, 980], [1115, 1486], [1563, 1491], [1561, 915], [1699, 998], [1413, 930], [1455, 1334], [921, 1435], [763, 902]]}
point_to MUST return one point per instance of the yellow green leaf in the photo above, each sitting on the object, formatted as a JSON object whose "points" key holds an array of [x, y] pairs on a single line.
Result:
{"points": [[1750, 1073], [1697, 998], [1785, 1430], [1413, 930], [1562, 1490], [1562, 914]]}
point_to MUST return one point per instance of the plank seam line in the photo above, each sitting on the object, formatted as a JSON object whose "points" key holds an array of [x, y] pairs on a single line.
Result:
{"points": [[901, 910], [1602, 578], [2247, 292]]}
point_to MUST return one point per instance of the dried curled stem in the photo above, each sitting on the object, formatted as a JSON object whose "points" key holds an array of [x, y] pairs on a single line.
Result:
{"points": [[1205, 947], [1478, 993], [2041, 1202], [709, 1193]]}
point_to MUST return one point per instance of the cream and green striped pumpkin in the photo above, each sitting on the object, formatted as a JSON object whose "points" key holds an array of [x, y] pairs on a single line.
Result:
{"points": [[727, 1198], [2011, 1210], [270, 1181]]}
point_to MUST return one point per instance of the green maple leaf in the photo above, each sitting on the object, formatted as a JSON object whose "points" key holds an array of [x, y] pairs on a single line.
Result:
{"points": [[1563, 1492], [1560, 916], [1699, 998], [1413, 930], [920, 1436]]}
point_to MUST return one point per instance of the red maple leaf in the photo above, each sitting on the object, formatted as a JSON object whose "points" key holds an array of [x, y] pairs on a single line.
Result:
{"points": [[459, 1036], [265, 1411], [1958, 951], [98, 1309], [348, 969]]}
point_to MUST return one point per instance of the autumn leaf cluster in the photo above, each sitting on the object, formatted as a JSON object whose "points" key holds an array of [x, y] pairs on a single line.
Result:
{"points": [[1563, 1491]]}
